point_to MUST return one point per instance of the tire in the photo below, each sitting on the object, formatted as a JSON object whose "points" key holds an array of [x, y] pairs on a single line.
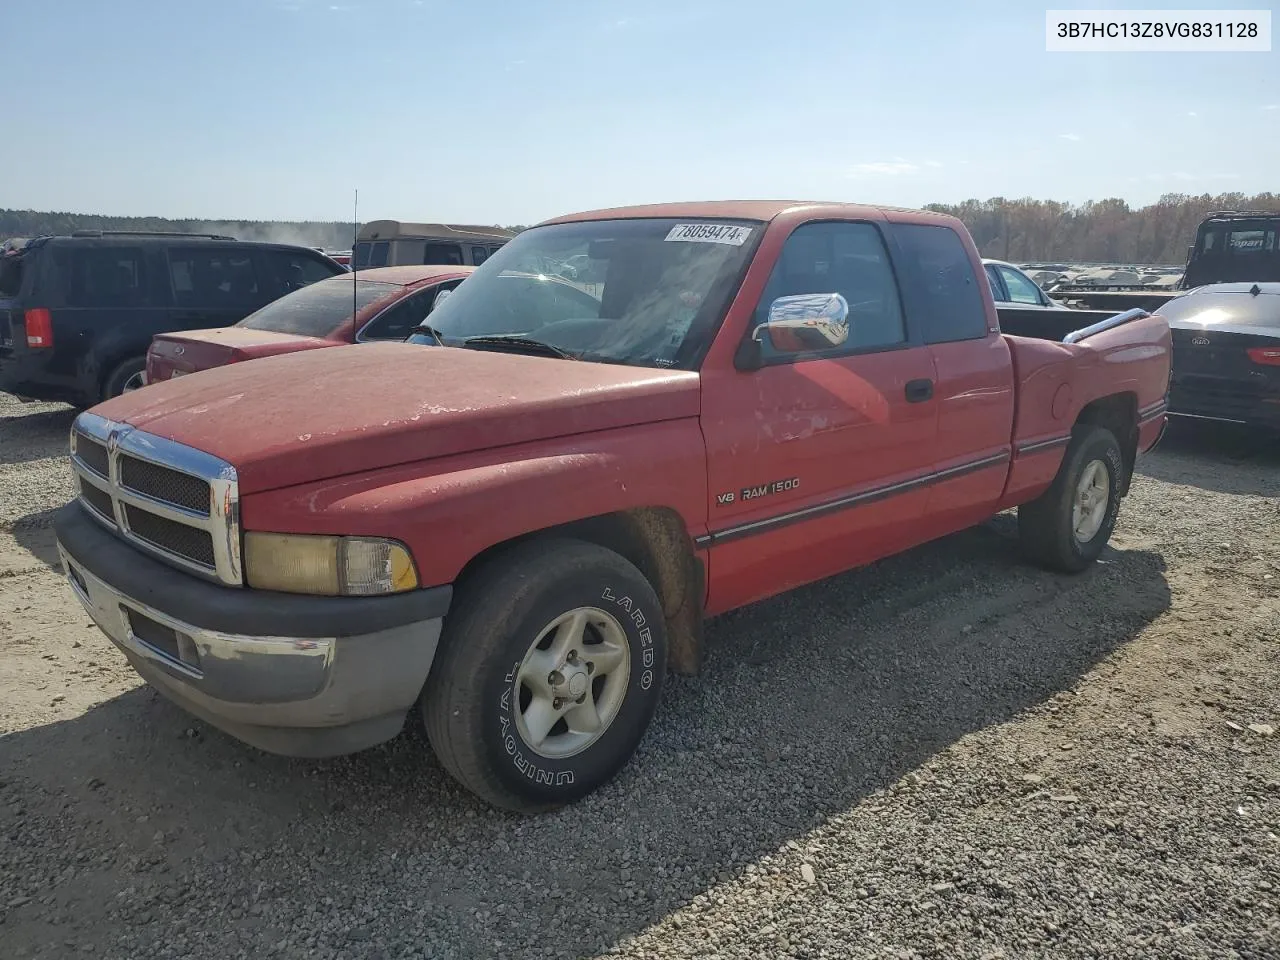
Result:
{"points": [[478, 701], [120, 379], [1047, 525]]}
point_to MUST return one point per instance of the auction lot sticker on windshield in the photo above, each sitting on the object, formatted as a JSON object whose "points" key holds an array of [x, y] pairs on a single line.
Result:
{"points": [[709, 233]]}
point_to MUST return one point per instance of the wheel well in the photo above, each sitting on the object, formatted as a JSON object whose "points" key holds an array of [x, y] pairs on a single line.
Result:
{"points": [[1119, 414], [656, 541], [107, 371]]}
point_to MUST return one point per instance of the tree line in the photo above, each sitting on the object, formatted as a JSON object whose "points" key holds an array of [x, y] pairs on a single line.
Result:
{"points": [[1103, 231]]}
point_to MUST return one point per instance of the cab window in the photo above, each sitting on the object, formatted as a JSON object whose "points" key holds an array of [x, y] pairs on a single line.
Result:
{"points": [[844, 258], [943, 292]]}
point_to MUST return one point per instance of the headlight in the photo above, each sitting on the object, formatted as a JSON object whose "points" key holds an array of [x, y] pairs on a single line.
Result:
{"points": [[327, 566]]}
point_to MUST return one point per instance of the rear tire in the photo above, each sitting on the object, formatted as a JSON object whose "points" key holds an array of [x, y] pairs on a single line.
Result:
{"points": [[126, 377], [1067, 527], [549, 671]]}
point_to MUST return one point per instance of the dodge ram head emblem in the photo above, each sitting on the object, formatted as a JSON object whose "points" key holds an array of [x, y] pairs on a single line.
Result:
{"points": [[1200, 341]]}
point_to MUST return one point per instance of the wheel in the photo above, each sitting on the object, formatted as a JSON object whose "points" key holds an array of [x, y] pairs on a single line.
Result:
{"points": [[549, 671], [125, 378], [1068, 525]]}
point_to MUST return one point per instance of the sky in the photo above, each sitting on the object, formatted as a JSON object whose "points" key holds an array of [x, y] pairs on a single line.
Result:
{"points": [[512, 111]]}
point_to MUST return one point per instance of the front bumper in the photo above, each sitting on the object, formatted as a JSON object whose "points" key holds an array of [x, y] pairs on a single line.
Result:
{"points": [[300, 676]]}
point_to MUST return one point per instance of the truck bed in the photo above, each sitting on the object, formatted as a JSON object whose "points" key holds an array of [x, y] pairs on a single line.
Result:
{"points": [[1047, 324], [1127, 366]]}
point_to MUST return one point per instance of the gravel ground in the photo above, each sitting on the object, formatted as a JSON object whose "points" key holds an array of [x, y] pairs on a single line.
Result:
{"points": [[946, 755]]}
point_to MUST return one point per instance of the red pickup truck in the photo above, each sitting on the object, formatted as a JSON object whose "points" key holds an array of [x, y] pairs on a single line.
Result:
{"points": [[515, 523]]}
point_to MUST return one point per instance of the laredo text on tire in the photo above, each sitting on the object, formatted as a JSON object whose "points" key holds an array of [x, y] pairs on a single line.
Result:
{"points": [[1067, 527], [549, 671]]}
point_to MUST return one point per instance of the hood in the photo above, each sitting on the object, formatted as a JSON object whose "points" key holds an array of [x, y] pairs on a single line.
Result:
{"points": [[317, 414]]}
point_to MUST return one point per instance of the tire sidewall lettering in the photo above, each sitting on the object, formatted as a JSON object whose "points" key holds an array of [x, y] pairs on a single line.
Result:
{"points": [[552, 776]]}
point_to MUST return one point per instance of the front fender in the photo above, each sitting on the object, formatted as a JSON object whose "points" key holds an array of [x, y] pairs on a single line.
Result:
{"points": [[451, 509]]}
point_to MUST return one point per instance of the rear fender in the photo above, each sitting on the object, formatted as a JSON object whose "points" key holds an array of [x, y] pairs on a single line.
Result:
{"points": [[1115, 377]]}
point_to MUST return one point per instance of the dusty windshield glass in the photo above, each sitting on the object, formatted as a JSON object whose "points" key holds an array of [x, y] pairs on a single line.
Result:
{"points": [[319, 309], [640, 292]]}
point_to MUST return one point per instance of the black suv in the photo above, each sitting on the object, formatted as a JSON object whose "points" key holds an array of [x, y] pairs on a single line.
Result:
{"points": [[77, 313]]}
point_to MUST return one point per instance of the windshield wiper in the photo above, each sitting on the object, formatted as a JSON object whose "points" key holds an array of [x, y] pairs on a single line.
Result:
{"points": [[430, 331], [515, 340]]}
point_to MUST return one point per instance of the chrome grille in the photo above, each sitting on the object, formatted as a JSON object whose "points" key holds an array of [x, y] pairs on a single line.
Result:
{"points": [[173, 537], [99, 500], [164, 484], [173, 501], [93, 455]]}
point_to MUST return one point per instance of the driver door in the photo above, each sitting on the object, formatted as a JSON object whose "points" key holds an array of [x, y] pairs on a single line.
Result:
{"points": [[816, 459]]}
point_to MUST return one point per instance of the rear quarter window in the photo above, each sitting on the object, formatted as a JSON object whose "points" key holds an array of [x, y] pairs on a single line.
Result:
{"points": [[943, 297], [213, 277], [103, 276]]}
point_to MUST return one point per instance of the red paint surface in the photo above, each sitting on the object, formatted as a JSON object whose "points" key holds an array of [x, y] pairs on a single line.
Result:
{"points": [[190, 351], [454, 451], [351, 409]]}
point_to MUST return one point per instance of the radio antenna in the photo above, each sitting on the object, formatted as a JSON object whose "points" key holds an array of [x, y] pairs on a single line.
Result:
{"points": [[355, 262]]}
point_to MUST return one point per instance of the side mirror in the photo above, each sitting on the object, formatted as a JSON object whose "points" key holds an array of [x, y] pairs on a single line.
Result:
{"points": [[810, 321]]}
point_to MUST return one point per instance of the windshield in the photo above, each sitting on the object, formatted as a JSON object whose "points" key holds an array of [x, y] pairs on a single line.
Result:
{"points": [[318, 309], [640, 292]]}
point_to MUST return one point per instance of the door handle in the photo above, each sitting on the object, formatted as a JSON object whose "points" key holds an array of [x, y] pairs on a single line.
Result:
{"points": [[918, 391]]}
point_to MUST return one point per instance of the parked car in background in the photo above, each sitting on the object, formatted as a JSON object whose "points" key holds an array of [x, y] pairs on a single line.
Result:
{"points": [[514, 523], [1226, 353], [1010, 286], [388, 304], [77, 313], [389, 243]]}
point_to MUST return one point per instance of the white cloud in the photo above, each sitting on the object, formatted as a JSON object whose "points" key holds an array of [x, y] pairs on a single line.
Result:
{"points": [[932, 163], [1192, 113], [1272, 106], [1069, 136]]}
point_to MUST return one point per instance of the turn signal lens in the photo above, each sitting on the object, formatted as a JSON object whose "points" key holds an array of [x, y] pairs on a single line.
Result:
{"points": [[376, 566], [327, 566], [1267, 356]]}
